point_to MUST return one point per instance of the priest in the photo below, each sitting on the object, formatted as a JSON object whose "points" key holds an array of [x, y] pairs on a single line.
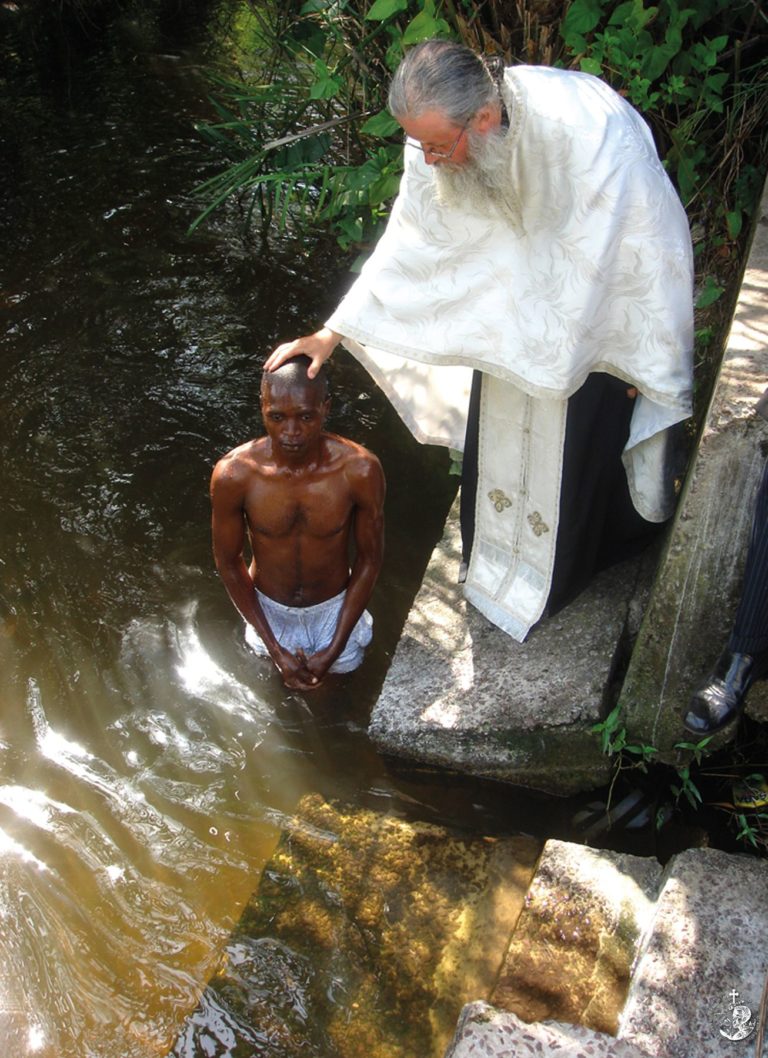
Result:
{"points": [[530, 302]]}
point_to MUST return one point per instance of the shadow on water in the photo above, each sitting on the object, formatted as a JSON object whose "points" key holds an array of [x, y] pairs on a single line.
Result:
{"points": [[148, 762]]}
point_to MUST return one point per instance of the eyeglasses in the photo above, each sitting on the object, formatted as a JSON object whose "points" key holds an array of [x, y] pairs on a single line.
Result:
{"points": [[438, 154]]}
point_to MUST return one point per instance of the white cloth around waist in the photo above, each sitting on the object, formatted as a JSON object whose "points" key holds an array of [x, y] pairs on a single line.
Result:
{"points": [[311, 629]]}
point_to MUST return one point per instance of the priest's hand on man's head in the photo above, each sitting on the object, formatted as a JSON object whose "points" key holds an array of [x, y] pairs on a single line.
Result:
{"points": [[318, 347]]}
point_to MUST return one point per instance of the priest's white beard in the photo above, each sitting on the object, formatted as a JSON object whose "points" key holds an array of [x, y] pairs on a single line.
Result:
{"points": [[482, 182]]}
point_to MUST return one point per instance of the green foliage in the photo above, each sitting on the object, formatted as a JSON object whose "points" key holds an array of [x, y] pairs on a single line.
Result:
{"points": [[683, 782], [647, 49], [746, 807], [614, 742], [695, 748], [323, 69], [709, 292], [699, 73], [753, 829], [384, 9], [424, 25], [309, 146], [687, 787], [674, 62]]}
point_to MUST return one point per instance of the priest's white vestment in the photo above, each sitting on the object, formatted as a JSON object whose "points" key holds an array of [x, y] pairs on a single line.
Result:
{"points": [[588, 269]]}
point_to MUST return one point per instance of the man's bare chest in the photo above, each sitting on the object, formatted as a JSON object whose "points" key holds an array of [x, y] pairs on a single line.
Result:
{"points": [[284, 509]]}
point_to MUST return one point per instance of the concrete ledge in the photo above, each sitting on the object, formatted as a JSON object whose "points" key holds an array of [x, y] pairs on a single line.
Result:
{"points": [[698, 584], [462, 694], [484, 1032], [709, 937]]}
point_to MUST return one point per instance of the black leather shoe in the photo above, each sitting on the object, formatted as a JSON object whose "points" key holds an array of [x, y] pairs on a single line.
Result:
{"points": [[723, 696]]}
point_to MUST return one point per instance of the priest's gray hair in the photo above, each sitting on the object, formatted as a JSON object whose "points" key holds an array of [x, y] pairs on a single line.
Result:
{"points": [[442, 75]]}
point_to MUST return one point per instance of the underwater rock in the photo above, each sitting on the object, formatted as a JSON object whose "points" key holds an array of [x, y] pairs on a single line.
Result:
{"points": [[369, 933]]}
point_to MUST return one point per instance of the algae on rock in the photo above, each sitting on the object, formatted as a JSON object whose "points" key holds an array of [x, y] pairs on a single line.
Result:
{"points": [[373, 932]]}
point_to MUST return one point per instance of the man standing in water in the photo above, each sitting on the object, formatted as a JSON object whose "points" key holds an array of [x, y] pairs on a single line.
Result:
{"points": [[300, 495]]}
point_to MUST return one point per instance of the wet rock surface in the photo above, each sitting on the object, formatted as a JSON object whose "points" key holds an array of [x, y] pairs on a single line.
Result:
{"points": [[373, 937], [577, 937]]}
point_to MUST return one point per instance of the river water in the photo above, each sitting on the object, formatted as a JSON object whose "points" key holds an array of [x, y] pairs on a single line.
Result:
{"points": [[146, 760]]}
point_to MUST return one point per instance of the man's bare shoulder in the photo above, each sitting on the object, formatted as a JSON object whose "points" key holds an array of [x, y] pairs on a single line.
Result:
{"points": [[241, 463], [360, 467], [353, 455]]}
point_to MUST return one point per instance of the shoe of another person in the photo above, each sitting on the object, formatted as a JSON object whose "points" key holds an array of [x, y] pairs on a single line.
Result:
{"points": [[723, 696]]}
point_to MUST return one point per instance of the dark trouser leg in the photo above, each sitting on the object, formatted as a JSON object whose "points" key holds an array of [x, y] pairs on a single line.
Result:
{"points": [[599, 525], [469, 469], [750, 629]]}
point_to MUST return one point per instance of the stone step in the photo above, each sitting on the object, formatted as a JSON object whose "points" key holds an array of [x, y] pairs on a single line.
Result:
{"points": [[577, 937], [370, 934], [708, 940], [485, 1032], [462, 694], [699, 933]]}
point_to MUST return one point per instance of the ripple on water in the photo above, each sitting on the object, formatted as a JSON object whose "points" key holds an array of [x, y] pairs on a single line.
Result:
{"points": [[123, 871]]}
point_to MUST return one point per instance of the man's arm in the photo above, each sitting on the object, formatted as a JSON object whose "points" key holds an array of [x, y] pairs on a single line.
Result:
{"points": [[368, 489], [228, 534]]}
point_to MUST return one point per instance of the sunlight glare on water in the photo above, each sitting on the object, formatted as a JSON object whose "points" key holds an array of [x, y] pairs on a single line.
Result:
{"points": [[123, 872]]}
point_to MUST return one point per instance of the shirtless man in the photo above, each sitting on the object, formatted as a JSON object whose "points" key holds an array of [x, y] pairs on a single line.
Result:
{"points": [[300, 494]]}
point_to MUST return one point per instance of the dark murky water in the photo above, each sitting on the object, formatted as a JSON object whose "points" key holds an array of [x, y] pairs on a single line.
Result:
{"points": [[146, 760]]}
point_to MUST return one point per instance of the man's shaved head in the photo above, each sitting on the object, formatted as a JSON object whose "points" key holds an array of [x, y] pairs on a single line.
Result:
{"points": [[294, 373]]}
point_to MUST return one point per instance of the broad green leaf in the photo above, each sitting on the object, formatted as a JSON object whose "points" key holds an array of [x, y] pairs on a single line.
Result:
{"points": [[715, 82], [582, 17], [709, 293], [657, 59], [734, 220], [383, 189], [325, 89], [633, 14], [326, 86], [382, 9], [621, 13], [381, 124], [423, 27], [591, 66]]}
